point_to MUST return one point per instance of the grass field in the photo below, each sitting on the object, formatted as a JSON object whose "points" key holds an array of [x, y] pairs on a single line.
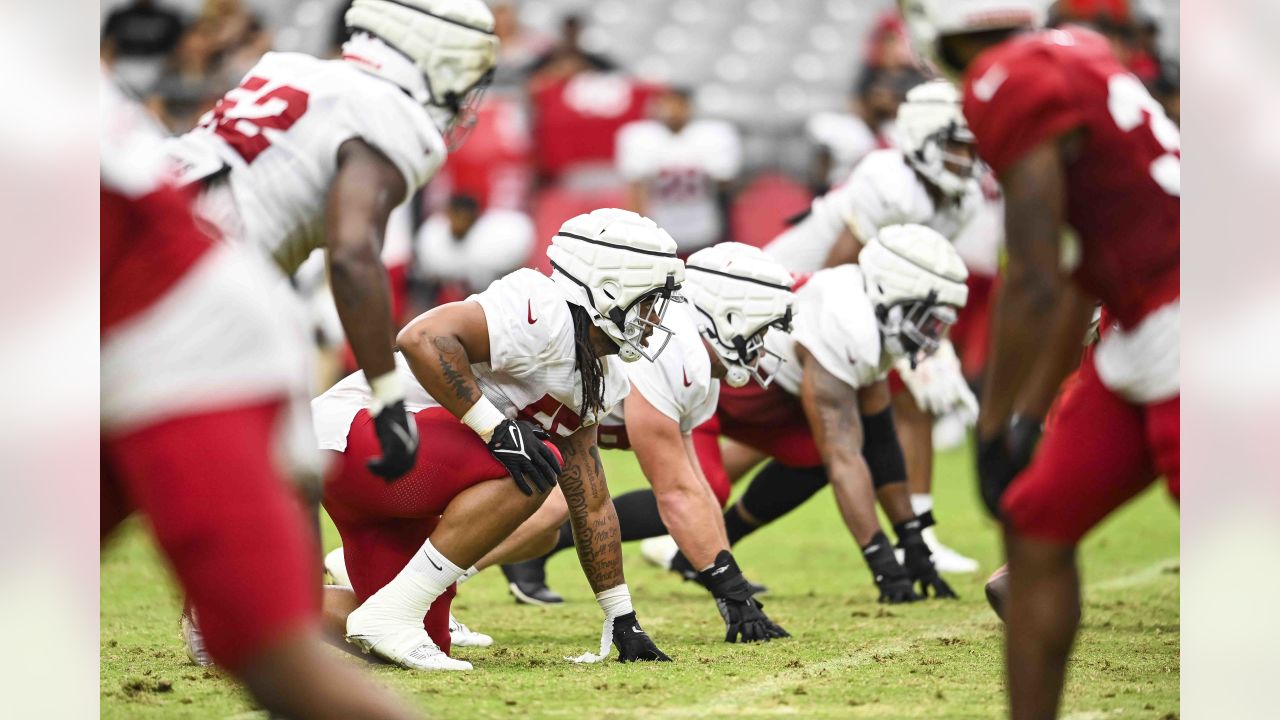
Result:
{"points": [[849, 657]]}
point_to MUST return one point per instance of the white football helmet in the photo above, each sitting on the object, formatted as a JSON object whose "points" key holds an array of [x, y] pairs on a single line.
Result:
{"points": [[929, 120], [916, 281], [451, 42], [623, 270], [738, 293], [929, 20]]}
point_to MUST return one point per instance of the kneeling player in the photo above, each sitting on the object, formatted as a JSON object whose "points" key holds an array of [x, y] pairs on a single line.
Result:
{"points": [[735, 295], [489, 378]]}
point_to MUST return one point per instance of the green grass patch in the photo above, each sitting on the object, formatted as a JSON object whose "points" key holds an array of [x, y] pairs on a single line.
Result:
{"points": [[849, 657]]}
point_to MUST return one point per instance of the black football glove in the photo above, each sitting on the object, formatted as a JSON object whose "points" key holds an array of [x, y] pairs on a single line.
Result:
{"points": [[633, 642], [919, 560], [398, 436], [892, 580], [743, 615], [1002, 457], [517, 444]]}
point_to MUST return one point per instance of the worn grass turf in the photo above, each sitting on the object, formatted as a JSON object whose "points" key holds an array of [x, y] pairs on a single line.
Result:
{"points": [[849, 656]]}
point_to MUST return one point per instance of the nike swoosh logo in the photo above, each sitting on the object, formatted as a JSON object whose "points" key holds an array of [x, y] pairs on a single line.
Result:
{"points": [[686, 377], [985, 87], [636, 629], [849, 356], [532, 319], [430, 560], [404, 436]]}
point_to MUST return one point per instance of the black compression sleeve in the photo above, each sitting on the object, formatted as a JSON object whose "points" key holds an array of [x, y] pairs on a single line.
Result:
{"points": [[638, 516], [881, 449], [777, 490]]}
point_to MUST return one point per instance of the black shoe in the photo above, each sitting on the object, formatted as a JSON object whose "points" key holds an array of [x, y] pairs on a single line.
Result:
{"points": [[527, 582]]}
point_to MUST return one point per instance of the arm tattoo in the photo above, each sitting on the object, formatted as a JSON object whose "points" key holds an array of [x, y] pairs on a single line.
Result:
{"points": [[591, 513], [446, 348]]}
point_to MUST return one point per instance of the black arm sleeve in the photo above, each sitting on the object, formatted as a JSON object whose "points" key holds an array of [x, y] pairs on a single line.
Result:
{"points": [[881, 449]]}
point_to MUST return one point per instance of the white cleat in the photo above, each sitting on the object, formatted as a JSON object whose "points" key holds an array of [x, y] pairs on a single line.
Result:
{"points": [[946, 559], [336, 564], [462, 636], [659, 550], [409, 647]]}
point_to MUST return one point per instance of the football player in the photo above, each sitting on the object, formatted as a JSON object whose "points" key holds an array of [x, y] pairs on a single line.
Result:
{"points": [[197, 368], [504, 387], [1075, 139], [735, 295], [309, 153], [678, 169], [929, 179]]}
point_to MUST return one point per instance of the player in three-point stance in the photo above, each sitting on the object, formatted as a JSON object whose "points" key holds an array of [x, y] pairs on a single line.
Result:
{"points": [[506, 387]]}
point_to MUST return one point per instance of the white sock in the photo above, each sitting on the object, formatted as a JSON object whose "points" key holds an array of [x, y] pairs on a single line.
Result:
{"points": [[470, 573], [410, 593], [921, 503]]}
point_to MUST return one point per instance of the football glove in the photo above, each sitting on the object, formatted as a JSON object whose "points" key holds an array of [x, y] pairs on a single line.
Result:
{"points": [[938, 385], [1002, 457], [398, 436], [919, 560], [892, 580], [518, 445], [743, 615], [633, 643]]}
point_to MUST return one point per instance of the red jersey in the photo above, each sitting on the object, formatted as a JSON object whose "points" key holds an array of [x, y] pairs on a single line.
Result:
{"points": [[1123, 191], [576, 119]]}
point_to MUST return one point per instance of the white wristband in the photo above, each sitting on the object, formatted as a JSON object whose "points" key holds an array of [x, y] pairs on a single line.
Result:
{"points": [[483, 417], [615, 602], [387, 389]]}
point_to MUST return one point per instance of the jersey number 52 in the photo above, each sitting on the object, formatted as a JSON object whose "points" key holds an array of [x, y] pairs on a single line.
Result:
{"points": [[243, 115]]}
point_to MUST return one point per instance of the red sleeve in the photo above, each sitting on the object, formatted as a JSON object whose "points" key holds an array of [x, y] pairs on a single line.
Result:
{"points": [[1017, 99]]}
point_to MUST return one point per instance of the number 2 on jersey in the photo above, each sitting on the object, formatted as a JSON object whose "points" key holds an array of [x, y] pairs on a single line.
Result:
{"points": [[243, 115]]}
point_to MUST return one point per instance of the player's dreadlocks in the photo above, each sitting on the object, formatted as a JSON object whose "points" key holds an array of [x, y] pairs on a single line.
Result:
{"points": [[588, 364]]}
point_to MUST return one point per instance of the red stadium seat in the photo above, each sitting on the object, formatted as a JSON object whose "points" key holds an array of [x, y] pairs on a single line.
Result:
{"points": [[761, 209]]}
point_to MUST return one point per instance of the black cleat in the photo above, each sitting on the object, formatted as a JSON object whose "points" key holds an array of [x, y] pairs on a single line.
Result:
{"points": [[527, 582]]}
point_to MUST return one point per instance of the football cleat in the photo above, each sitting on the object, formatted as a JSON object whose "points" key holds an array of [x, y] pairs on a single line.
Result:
{"points": [[945, 559], [407, 646], [193, 639], [335, 563], [997, 590], [659, 551], [462, 636], [527, 582]]}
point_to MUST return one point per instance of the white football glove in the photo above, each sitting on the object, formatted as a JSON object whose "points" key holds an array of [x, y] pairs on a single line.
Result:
{"points": [[938, 385]]}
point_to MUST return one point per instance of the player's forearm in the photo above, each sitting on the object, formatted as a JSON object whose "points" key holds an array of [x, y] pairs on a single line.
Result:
{"points": [[362, 295], [855, 494], [441, 364], [591, 515], [1024, 311], [1060, 354], [692, 515]]}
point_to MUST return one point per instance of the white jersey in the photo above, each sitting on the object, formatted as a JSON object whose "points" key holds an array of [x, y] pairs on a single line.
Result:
{"points": [[681, 171], [531, 372], [882, 191], [836, 322], [500, 241], [278, 134], [678, 384], [847, 138]]}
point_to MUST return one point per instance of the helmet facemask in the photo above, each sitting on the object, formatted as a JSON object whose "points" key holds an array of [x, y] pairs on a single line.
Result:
{"points": [[462, 112], [951, 172], [744, 355], [639, 321], [914, 329]]}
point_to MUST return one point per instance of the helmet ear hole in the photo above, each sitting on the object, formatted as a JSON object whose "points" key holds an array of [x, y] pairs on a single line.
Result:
{"points": [[610, 289]]}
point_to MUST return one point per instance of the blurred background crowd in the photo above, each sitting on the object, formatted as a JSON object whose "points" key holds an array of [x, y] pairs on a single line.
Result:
{"points": [[720, 119]]}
